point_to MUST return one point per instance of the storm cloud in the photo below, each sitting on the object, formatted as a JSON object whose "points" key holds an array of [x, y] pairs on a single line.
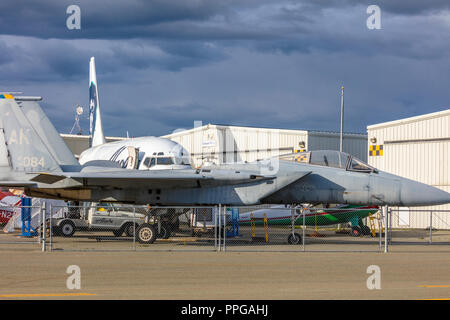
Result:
{"points": [[161, 65]]}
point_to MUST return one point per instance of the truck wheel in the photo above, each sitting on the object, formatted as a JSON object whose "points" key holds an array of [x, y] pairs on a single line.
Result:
{"points": [[66, 228], [165, 231], [129, 229], [146, 234], [294, 238]]}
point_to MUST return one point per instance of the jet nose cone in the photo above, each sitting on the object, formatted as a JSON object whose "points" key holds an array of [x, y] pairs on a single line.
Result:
{"points": [[414, 193]]}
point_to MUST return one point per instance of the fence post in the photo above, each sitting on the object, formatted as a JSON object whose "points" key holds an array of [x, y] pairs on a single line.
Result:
{"points": [[51, 228], [430, 241], [292, 221], [134, 228], [303, 231], [386, 227], [390, 225], [224, 211], [380, 229], [215, 226], [43, 231], [219, 231]]}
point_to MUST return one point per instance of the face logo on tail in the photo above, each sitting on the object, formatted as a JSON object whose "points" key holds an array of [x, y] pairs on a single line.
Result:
{"points": [[92, 105]]}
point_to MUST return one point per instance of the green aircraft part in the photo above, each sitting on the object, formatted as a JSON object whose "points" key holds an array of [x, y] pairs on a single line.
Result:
{"points": [[320, 218]]}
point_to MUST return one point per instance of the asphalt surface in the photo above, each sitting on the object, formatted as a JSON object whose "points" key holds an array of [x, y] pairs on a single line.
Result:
{"points": [[408, 272]]}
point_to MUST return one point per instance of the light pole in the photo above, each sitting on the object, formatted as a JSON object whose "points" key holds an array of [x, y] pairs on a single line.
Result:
{"points": [[341, 136]]}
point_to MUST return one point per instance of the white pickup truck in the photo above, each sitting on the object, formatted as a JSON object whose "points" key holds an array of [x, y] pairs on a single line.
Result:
{"points": [[202, 221], [98, 217]]}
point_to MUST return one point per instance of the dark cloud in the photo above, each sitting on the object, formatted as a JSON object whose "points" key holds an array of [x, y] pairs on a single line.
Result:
{"points": [[163, 64], [182, 19], [28, 59], [100, 19], [399, 7]]}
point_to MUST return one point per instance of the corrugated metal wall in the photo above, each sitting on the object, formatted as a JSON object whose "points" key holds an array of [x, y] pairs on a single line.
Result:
{"points": [[417, 148], [354, 144]]}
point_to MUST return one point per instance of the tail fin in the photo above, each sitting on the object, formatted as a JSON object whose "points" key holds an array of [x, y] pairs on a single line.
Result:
{"points": [[28, 141], [95, 128]]}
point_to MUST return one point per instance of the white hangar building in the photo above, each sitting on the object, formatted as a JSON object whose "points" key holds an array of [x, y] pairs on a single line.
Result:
{"points": [[78, 143], [417, 148], [224, 144]]}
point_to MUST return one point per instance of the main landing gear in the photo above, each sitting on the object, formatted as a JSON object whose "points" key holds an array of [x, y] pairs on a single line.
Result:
{"points": [[360, 230], [294, 238]]}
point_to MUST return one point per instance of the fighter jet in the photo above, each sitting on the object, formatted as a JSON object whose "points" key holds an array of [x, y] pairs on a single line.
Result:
{"points": [[33, 156]]}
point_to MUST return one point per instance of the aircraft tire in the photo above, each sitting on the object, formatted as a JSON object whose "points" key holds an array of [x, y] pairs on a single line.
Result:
{"points": [[129, 229], [66, 228], [146, 234], [118, 233], [366, 230], [165, 231], [356, 231], [294, 238]]}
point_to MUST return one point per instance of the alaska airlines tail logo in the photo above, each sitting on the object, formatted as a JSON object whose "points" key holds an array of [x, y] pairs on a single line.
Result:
{"points": [[92, 106]]}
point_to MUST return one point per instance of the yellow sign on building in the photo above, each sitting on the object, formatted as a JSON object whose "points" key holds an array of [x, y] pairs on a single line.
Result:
{"points": [[376, 150]]}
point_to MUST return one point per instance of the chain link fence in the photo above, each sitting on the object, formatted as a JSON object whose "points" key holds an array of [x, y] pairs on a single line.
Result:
{"points": [[21, 224], [280, 228], [418, 227], [120, 227], [138, 228]]}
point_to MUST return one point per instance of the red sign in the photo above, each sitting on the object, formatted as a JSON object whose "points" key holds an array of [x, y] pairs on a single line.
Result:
{"points": [[5, 215]]}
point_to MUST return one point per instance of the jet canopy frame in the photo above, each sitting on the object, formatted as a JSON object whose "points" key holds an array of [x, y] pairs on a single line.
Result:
{"points": [[330, 158]]}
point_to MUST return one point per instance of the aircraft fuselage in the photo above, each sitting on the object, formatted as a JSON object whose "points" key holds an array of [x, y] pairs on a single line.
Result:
{"points": [[319, 185]]}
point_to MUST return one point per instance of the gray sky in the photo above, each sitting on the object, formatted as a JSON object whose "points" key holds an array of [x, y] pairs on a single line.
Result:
{"points": [[163, 64]]}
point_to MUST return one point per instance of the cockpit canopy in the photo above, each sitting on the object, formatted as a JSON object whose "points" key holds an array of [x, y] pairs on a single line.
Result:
{"points": [[166, 159], [330, 158]]}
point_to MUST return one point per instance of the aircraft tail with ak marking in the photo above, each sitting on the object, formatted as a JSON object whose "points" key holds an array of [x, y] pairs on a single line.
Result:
{"points": [[29, 143]]}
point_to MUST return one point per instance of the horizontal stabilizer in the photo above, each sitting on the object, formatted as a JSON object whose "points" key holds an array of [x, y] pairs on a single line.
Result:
{"points": [[28, 98], [17, 184], [47, 178]]}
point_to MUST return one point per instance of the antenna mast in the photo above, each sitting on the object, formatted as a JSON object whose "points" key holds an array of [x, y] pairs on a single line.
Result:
{"points": [[341, 136], [78, 113]]}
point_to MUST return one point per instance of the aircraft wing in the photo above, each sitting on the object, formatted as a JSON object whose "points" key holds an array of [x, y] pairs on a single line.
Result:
{"points": [[157, 178]]}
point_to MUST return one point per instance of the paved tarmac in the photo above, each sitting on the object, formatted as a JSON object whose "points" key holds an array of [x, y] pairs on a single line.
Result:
{"points": [[410, 272]]}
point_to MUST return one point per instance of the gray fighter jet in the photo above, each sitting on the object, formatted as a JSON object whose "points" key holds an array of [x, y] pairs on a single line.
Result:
{"points": [[33, 156]]}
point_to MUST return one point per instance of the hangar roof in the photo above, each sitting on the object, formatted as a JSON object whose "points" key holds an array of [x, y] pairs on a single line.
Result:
{"points": [[249, 128], [427, 116]]}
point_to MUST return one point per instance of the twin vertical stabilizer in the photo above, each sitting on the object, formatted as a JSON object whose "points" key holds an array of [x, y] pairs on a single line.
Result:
{"points": [[95, 121]]}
